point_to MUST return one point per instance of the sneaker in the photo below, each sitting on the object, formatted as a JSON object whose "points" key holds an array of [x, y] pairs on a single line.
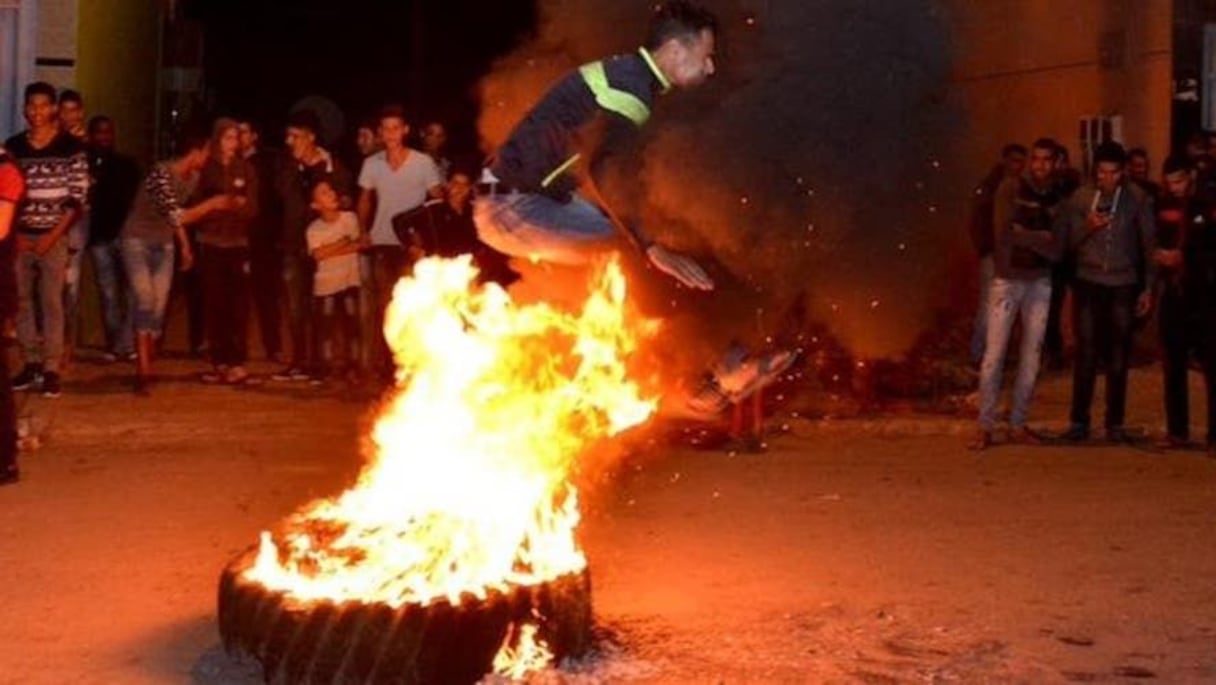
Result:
{"points": [[50, 384], [10, 475], [29, 377], [741, 379], [1075, 433], [1023, 435], [292, 374], [1118, 434], [981, 441]]}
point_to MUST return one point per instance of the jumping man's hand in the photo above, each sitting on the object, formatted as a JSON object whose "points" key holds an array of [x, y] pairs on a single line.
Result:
{"points": [[679, 267]]}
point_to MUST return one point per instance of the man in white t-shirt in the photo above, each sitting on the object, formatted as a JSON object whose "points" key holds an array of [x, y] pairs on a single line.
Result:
{"points": [[394, 180]]}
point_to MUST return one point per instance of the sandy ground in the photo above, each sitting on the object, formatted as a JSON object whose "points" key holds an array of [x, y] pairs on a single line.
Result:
{"points": [[876, 551]]}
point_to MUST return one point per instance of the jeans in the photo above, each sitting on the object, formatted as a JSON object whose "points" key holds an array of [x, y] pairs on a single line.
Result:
{"points": [[40, 295], [338, 321], [979, 335], [266, 278], [539, 227], [150, 271], [384, 267], [225, 275], [116, 307], [1009, 300], [298, 271], [1103, 320]]}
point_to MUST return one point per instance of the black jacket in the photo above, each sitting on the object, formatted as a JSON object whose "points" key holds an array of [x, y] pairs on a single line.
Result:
{"points": [[602, 128]]}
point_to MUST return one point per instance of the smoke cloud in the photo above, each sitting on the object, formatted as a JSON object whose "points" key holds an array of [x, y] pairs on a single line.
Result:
{"points": [[809, 167]]}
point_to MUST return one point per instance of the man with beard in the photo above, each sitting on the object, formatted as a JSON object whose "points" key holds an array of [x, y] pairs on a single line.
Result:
{"points": [[545, 206], [1027, 242]]}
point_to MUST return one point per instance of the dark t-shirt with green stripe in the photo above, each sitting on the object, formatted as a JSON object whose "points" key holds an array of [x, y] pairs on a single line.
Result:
{"points": [[592, 112]]}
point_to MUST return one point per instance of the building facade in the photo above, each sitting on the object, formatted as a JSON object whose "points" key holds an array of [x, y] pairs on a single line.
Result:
{"points": [[109, 51]]}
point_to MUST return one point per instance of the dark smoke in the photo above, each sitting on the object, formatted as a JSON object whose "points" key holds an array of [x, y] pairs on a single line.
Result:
{"points": [[811, 165]]}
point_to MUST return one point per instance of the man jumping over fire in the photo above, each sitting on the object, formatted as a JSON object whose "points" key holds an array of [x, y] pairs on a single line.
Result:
{"points": [[544, 201]]}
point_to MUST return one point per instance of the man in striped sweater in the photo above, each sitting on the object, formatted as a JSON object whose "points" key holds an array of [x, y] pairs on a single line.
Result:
{"points": [[56, 172]]}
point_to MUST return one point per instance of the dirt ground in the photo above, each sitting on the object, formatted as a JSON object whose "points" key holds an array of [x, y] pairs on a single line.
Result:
{"points": [[869, 551]]}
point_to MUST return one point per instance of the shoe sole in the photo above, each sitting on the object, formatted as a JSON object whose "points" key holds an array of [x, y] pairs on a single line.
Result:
{"points": [[762, 380]]}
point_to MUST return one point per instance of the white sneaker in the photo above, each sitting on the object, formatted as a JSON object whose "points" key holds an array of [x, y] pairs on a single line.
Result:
{"points": [[754, 373]]}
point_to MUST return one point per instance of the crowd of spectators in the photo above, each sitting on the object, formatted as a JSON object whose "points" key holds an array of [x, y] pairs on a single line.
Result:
{"points": [[1121, 246], [239, 223]]}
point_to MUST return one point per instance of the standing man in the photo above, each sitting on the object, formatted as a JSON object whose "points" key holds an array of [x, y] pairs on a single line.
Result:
{"points": [[12, 192], [1186, 286], [303, 167], [115, 181], [72, 115], [57, 182], [435, 143], [1026, 244], [1013, 162], [1111, 229], [393, 181], [72, 121], [265, 261], [1138, 172]]}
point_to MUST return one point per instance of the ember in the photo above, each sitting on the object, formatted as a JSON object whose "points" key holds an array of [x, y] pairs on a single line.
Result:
{"points": [[467, 501]]}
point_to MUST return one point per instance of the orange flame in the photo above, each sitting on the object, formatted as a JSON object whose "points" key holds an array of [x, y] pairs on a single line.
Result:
{"points": [[522, 653], [468, 488]]}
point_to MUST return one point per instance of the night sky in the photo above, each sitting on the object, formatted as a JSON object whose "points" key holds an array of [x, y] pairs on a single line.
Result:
{"points": [[262, 56]]}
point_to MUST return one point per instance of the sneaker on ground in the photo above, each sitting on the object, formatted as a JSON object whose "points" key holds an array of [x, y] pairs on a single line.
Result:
{"points": [[50, 384], [29, 377]]}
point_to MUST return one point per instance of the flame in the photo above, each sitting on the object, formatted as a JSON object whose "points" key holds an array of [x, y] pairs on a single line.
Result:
{"points": [[468, 486], [522, 653]]}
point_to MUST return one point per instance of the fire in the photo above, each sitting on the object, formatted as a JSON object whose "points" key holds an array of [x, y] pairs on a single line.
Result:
{"points": [[522, 653], [467, 489]]}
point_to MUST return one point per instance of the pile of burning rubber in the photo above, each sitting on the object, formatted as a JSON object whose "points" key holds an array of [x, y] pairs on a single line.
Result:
{"points": [[455, 554]]}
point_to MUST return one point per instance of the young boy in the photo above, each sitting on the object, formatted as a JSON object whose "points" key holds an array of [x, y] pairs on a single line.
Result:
{"points": [[334, 241]]}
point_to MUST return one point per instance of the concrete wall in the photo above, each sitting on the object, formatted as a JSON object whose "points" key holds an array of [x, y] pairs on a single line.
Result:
{"points": [[116, 67], [56, 40], [106, 49], [1031, 68]]}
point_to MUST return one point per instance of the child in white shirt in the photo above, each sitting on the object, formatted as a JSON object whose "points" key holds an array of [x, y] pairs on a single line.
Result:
{"points": [[334, 241]]}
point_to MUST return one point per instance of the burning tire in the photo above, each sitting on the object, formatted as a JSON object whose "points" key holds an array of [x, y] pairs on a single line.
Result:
{"points": [[355, 642]]}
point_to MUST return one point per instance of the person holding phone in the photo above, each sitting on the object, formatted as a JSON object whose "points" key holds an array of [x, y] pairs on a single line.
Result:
{"points": [[1111, 230]]}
